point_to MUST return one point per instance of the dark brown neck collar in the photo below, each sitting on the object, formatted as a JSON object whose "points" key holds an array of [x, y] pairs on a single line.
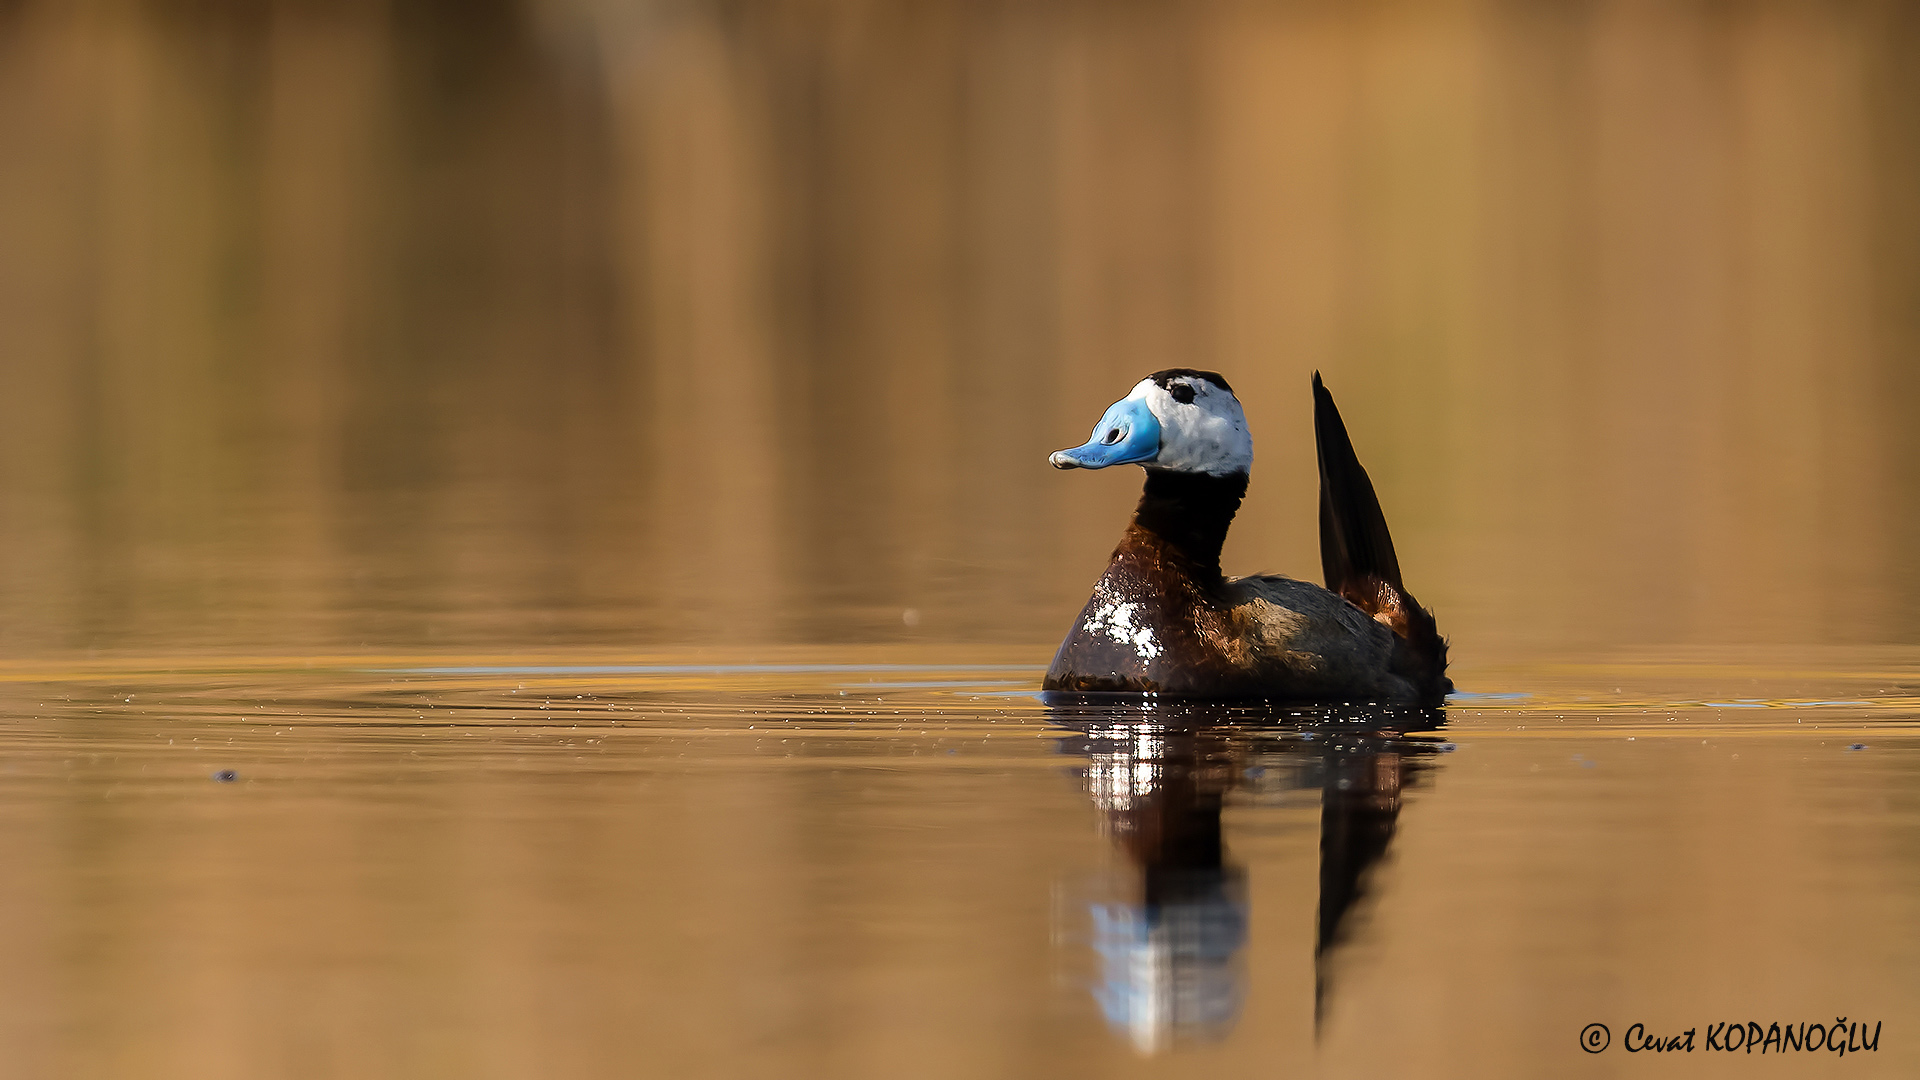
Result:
{"points": [[1188, 514]]}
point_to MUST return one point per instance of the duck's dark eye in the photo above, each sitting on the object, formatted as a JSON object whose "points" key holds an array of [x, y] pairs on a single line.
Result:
{"points": [[1182, 392], [1111, 437]]}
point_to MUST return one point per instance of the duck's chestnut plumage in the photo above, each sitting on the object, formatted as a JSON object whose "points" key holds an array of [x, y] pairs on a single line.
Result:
{"points": [[1164, 620]]}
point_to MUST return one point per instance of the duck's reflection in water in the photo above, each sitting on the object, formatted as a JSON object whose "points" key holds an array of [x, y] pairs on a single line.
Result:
{"points": [[1171, 956]]}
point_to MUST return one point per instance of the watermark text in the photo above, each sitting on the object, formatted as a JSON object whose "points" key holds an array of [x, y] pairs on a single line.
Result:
{"points": [[1842, 1037]]}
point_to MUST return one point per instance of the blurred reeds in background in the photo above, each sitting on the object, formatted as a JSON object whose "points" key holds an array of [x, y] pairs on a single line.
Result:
{"points": [[502, 324]]}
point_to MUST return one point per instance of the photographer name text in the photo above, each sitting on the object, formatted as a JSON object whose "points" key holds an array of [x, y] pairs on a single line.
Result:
{"points": [[1842, 1037]]}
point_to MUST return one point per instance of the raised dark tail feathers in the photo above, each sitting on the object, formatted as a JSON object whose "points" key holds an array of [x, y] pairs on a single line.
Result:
{"points": [[1356, 553]]}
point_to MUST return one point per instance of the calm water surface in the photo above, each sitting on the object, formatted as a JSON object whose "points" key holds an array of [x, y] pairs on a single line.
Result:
{"points": [[878, 862]]}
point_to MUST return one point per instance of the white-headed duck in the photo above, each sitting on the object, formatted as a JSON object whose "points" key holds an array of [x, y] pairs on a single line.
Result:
{"points": [[1162, 619]]}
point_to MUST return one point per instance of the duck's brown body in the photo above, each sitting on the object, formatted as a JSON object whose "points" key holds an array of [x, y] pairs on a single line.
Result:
{"points": [[1163, 620], [1259, 637]]}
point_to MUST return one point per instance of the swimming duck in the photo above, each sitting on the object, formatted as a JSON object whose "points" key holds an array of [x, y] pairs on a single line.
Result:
{"points": [[1163, 620]]}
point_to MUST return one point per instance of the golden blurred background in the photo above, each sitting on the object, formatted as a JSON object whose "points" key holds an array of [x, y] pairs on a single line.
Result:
{"points": [[498, 324], [549, 328]]}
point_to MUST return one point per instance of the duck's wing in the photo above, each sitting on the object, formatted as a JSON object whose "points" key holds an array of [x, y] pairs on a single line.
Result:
{"points": [[1356, 552], [1308, 643]]}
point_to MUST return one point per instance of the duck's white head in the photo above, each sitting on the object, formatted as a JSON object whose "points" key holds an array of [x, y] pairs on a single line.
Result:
{"points": [[1180, 420]]}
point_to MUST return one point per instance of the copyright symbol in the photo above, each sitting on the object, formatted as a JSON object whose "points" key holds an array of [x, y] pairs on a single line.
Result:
{"points": [[1594, 1038]]}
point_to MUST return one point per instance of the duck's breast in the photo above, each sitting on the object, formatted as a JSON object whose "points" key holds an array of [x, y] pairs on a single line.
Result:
{"points": [[1139, 632]]}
